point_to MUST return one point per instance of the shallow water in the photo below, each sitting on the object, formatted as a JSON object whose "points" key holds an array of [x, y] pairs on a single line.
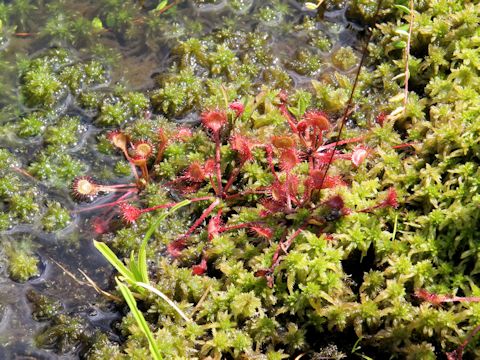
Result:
{"points": [[141, 56]]}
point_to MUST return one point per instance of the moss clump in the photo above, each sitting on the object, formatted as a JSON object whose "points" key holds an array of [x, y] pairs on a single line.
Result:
{"points": [[58, 168], [56, 217], [31, 125], [344, 58], [24, 206], [64, 133], [22, 262], [43, 307], [64, 334]]}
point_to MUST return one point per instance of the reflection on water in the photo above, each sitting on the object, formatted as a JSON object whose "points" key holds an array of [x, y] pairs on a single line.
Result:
{"points": [[138, 56]]}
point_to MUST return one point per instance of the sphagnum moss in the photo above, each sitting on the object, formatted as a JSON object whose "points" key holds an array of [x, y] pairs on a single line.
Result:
{"points": [[353, 270]]}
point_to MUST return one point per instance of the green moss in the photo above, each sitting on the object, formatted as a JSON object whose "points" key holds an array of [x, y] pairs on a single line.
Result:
{"points": [[63, 334], [344, 58], [22, 262], [64, 133], [113, 112], [57, 168], [24, 206], [31, 125], [5, 221], [56, 217], [41, 87], [43, 307]]}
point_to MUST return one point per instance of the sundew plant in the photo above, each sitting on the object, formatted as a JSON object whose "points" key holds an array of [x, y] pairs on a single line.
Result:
{"points": [[268, 179]]}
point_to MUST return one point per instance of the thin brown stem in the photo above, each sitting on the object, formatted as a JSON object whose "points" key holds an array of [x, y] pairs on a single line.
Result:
{"points": [[352, 93]]}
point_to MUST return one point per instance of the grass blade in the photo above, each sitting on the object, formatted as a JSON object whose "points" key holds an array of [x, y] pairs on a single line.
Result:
{"points": [[132, 304], [164, 297], [114, 261], [142, 254]]}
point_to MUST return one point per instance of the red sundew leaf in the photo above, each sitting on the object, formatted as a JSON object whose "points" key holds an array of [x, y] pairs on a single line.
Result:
{"points": [[209, 167], [175, 247], [183, 134], [326, 157], [335, 202], [283, 142], [100, 226], [238, 107], [391, 199], [262, 231], [271, 206], [289, 159], [380, 119], [214, 227], [332, 182], [200, 268], [84, 187], [138, 160], [317, 119], [129, 212], [243, 146], [195, 172], [292, 185], [359, 155], [118, 138], [143, 149], [424, 295], [214, 119], [262, 272]]}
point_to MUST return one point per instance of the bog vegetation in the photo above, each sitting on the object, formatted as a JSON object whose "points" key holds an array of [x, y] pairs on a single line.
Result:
{"points": [[251, 210]]}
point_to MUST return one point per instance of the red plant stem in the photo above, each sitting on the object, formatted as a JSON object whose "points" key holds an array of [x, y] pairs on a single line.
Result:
{"points": [[458, 353], [212, 184], [269, 152], [23, 172], [291, 121], [132, 165], [401, 146], [200, 219], [106, 188], [161, 149], [24, 34], [121, 199], [218, 164], [288, 243], [145, 172], [233, 176], [341, 142], [352, 93], [289, 198], [283, 246], [115, 190]]}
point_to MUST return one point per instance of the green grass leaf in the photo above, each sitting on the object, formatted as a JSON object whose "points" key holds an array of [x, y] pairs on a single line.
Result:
{"points": [[142, 254], [114, 260], [132, 304]]}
